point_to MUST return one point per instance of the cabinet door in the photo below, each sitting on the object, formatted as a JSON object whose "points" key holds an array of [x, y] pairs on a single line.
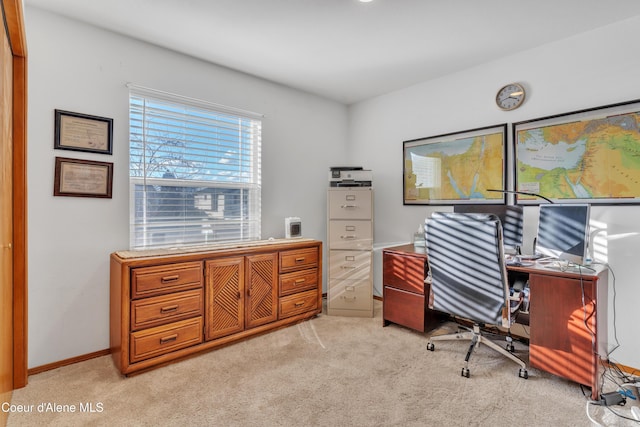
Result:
{"points": [[224, 295], [262, 289], [563, 327]]}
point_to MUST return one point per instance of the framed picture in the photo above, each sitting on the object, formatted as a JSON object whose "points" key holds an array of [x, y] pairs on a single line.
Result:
{"points": [[82, 178], [456, 168], [81, 132], [587, 156]]}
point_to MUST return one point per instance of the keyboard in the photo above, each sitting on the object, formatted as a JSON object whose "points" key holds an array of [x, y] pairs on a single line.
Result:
{"points": [[529, 257]]}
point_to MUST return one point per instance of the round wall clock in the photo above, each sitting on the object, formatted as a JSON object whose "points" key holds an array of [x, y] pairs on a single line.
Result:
{"points": [[510, 96]]}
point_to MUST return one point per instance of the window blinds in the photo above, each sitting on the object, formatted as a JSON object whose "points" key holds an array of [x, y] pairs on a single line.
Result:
{"points": [[194, 171]]}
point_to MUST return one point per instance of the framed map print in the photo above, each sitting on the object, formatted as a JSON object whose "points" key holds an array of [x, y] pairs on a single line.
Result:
{"points": [[587, 156], [456, 168]]}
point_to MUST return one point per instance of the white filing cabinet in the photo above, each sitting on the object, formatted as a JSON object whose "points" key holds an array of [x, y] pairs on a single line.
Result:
{"points": [[350, 243]]}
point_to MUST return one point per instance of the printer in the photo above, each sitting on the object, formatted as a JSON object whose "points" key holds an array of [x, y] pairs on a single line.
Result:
{"points": [[349, 176]]}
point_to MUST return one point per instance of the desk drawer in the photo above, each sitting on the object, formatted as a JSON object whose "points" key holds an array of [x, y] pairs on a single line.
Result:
{"points": [[298, 303], [151, 281], [404, 308], [404, 272], [163, 309], [165, 339]]}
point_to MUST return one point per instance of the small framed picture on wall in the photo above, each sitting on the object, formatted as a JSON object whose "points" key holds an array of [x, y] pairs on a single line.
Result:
{"points": [[82, 132]]}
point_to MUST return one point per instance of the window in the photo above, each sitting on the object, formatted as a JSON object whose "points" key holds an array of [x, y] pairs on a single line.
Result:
{"points": [[194, 171]]}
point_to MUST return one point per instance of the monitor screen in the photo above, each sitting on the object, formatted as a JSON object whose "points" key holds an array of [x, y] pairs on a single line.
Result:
{"points": [[563, 232], [510, 217]]}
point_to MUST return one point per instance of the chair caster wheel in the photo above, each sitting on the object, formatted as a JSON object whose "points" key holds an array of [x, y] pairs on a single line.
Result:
{"points": [[430, 346], [510, 348], [523, 373], [465, 372]]}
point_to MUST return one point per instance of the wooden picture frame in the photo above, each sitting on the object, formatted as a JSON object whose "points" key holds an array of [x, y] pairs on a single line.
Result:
{"points": [[456, 168], [586, 156], [83, 178], [82, 132]]}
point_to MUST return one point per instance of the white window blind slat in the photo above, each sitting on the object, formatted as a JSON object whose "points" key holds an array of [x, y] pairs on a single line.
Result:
{"points": [[194, 172]]}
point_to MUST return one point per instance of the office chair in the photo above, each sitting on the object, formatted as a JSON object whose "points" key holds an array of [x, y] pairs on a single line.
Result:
{"points": [[469, 278]]}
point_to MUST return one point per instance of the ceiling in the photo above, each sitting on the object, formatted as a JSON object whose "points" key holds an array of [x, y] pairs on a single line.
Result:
{"points": [[344, 49]]}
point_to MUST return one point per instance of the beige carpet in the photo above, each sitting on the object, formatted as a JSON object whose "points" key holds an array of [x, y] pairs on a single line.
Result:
{"points": [[330, 371]]}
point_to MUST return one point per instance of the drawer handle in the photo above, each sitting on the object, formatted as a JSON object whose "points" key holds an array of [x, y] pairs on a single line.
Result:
{"points": [[353, 298], [168, 339], [299, 304], [348, 206], [350, 236], [168, 309], [299, 281], [300, 259], [348, 267], [169, 279]]}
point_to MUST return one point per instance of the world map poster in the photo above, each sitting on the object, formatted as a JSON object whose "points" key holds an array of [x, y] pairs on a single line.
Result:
{"points": [[591, 156], [456, 168]]}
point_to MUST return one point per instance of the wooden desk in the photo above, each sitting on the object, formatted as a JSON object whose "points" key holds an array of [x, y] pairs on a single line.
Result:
{"points": [[567, 335]]}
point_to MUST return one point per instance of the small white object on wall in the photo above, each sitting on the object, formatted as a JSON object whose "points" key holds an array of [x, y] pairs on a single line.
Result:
{"points": [[292, 227]]}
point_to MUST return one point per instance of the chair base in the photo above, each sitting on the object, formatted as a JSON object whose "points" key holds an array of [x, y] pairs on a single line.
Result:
{"points": [[474, 335]]}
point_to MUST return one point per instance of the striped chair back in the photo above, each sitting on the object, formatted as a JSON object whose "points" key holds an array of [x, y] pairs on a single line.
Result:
{"points": [[466, 261]]}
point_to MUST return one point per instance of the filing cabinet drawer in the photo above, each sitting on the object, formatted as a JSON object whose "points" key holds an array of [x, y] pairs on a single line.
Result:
{"points": [[163, 309], [298, 303], [354, 265], [291, 283], [151, 281], [297, 259], [165, 339], [351, 295], [346, 234], [350, 204]]}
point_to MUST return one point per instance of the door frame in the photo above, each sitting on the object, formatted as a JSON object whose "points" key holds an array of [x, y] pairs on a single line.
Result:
{"points": [[14, 26]]}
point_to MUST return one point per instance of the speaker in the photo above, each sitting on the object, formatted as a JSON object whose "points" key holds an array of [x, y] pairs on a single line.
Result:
{"points": [[292, 227]]}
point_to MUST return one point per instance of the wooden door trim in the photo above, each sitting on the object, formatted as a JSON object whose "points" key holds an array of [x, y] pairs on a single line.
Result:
{"points": [[14, 24]]}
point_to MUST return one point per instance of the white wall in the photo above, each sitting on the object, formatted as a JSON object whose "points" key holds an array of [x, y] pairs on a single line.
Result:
{"points": [[591, 70], [83, 69]]}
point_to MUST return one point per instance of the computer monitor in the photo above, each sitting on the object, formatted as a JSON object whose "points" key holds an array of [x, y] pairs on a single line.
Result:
{"points": [[510, 217], [563, 232]]}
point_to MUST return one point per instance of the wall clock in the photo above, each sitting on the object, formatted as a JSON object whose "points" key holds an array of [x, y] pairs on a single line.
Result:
{"points": [[510, 96]]}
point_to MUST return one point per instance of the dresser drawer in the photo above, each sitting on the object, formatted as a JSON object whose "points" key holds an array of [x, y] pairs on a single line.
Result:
{"points": [[297, 259], [165, 339], [350, 234], [354, 265], [298, 303], [350, 204], [163, 309], [291, 283], [150, 281]]}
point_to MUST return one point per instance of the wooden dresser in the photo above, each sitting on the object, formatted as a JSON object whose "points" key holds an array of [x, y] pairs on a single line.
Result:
{"points": [[168, 304]]}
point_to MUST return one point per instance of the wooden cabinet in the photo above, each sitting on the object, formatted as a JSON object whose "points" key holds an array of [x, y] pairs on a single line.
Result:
{"points": [[350, 239], [405, 295], [568, 324], [241, 293], [167, 305]]}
